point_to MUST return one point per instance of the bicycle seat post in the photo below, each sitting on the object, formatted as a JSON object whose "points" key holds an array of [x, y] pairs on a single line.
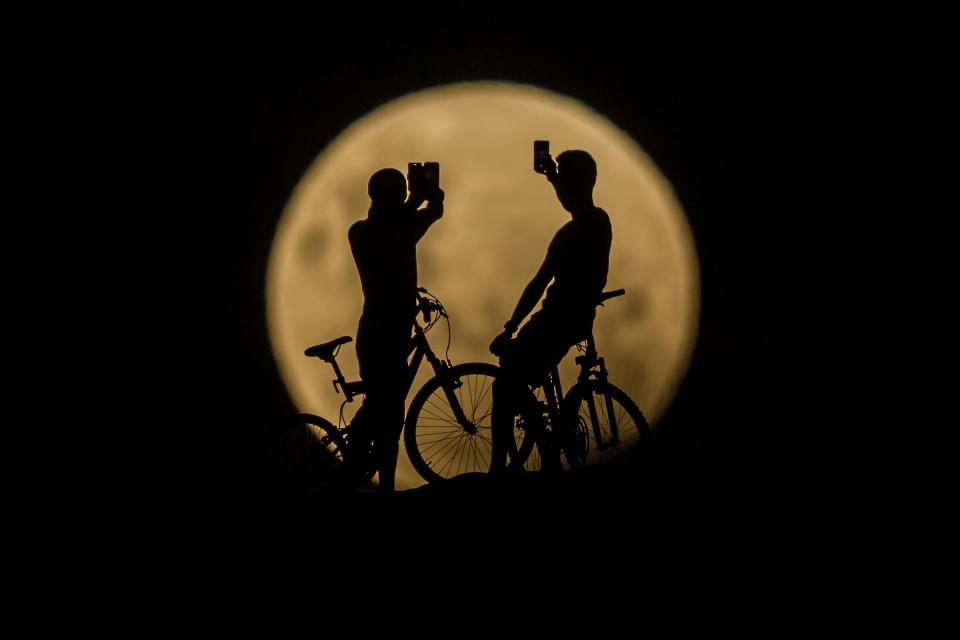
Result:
{"points": [[589, 357], [591, 348], [341, 381]]}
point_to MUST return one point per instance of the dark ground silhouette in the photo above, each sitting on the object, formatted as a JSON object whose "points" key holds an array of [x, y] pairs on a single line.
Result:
{"points": [[779, 408]]}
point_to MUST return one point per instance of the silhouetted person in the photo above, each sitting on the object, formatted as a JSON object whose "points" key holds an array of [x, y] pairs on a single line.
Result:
{"points": [[384, 247], [576, 263]]}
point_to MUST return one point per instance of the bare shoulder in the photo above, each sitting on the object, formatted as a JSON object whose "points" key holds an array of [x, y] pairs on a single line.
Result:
{"points": [[356, 229], [565, 234], [603, 220]]}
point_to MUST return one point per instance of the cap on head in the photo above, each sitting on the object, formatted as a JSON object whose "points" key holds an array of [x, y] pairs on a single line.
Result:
{"points": [[387, 187]]}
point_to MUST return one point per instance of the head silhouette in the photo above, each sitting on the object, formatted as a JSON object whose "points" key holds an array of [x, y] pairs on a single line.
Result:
{"points": [[576, 176], [387, 188]]}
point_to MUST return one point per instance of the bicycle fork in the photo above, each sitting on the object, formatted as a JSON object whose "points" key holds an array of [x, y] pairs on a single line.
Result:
{"points": [[450, 384], [588, 362], [595, 422]]}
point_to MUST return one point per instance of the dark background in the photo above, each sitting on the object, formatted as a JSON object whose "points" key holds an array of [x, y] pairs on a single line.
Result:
{"points": [[206, 131]]}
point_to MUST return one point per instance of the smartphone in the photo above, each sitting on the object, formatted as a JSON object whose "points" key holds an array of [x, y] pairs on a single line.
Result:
{"points": [[414, 173], [541, 153], [431, 174]]}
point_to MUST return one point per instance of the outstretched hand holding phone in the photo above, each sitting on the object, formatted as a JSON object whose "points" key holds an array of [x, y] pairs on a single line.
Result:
{"points": [[542, 161], [423, 180]]}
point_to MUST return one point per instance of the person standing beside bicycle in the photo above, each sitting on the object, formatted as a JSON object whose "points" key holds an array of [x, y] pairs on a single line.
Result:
{"points": [[576, 264], [384, 247]]}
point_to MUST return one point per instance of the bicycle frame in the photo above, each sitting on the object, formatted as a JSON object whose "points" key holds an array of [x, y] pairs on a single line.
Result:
{"points": [[421, 349], [418, 351], [592, 366]]}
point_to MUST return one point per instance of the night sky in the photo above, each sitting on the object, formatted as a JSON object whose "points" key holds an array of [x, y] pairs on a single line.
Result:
{"points": [[207, 131]]}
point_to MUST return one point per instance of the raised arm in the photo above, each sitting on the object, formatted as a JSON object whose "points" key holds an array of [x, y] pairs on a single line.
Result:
{"points": [[528, 300], [551, 172], [423, 218], [531, 295]]}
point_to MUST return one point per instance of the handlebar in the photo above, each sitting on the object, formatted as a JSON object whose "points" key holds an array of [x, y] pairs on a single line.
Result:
{"points": [[606, 295], [328, 350], [424, 306], [429, 304]]}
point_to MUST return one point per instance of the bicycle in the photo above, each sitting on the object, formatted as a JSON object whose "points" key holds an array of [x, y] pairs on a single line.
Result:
{"points": [[594, 423], [306, 444]]}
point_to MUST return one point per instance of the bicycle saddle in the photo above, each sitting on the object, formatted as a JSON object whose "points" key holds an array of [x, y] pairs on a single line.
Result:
{"points": [[325, 351]]}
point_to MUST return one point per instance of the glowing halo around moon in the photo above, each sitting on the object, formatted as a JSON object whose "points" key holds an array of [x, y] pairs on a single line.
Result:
{"points": [[499, 218]]}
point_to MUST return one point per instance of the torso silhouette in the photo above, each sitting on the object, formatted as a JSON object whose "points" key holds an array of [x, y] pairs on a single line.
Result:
{"points": [[384, 247], [579, 256]]}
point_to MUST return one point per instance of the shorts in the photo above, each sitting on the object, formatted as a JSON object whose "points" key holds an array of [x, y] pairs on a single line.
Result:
{"points": [[542, 343]]}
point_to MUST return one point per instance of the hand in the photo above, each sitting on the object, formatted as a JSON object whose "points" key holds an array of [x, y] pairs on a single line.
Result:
{"points": [[435, 203], [499, 344], [416, 196], [550, 168]]}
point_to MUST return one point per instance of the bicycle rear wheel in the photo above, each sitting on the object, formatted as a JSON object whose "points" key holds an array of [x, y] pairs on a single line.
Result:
{"points": [[298, 454], [438, 445], [606, 427]]}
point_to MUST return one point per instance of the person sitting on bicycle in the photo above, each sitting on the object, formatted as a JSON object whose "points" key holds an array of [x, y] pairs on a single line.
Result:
{"points": [[576, 263], [384, 247]]}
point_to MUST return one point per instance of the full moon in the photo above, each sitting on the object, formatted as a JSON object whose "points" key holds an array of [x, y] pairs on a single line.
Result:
{"points": [[499, 217]]}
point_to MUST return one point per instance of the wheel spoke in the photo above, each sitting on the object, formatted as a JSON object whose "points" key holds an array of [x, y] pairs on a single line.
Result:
{"points": [[441, 405], [483, 395], [441, 442], [631, 428], [441, 453], [437, 444]]}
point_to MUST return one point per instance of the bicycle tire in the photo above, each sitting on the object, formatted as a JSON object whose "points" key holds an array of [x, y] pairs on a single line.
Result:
{"points": [[298, 453], [437, 445], [635, 442]]}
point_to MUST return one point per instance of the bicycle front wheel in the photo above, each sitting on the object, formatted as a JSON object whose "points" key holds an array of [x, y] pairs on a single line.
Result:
{"points": [[298, 454], [606, 427], [448, 426]]}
